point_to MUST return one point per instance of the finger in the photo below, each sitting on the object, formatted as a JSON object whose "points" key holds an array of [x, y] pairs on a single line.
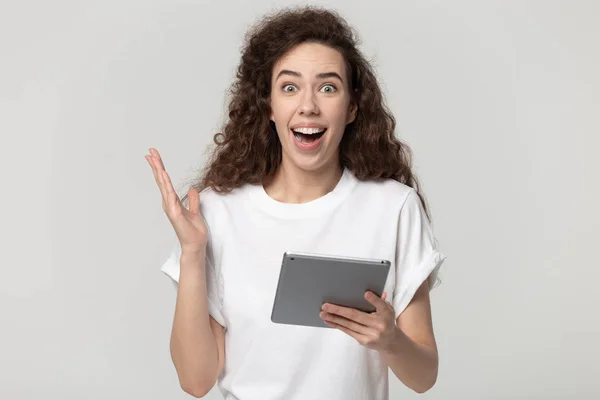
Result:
{"points": [[151, 162], [155, 153], [331, 324], [377, 301], [360, 338], [171, 196], [352, 314], [194, 199], [156, 162], [384, 298], [157, 174], [347, 323], [164, 180]]}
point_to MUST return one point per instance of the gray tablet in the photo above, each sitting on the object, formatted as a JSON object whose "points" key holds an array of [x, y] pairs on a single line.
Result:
{"points": [[306, 281]]}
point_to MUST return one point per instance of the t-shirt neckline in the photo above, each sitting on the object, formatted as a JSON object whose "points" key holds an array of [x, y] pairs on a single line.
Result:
{"points": [[310, 209]]}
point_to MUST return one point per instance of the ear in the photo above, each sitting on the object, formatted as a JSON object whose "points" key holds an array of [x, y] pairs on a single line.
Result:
{"points": [[352, 110]]}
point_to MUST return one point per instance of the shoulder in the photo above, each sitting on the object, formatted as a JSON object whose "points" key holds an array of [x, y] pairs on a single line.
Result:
{"points": [[384, 197], [388, 191]]}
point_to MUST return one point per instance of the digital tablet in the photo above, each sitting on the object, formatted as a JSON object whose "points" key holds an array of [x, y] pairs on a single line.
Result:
{"points": [[306, 281]]}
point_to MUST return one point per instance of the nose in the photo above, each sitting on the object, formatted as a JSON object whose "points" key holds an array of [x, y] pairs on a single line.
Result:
{"points": [[308, 104]]}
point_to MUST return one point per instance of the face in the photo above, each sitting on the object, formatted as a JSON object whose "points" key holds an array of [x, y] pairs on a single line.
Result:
{"points": [[311, 105]]}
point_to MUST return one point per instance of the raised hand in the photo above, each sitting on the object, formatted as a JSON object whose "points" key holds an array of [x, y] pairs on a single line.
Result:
{"points": [[189, 225]]}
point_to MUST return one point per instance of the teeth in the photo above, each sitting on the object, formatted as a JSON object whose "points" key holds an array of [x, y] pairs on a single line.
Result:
{"points": [[309, 131]]}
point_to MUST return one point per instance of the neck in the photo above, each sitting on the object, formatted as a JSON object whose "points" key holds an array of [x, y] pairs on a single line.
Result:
{"points": [[291, 184]]}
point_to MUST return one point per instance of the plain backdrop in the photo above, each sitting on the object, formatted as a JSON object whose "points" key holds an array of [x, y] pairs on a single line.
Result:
{"points": [[500, 101]]}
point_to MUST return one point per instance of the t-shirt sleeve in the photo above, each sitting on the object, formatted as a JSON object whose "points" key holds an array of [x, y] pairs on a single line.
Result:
{"points": [[214, 281], [417, 257]]}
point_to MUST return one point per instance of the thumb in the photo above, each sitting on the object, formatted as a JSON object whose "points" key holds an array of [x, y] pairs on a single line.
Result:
{"points": [[194, 200]]}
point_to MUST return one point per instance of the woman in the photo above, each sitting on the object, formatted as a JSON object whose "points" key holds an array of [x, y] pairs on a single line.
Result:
{"points": [[307, 161]]}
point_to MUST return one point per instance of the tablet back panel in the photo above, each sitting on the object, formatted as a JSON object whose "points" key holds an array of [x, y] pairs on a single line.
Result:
{"points": [[306, 281]]}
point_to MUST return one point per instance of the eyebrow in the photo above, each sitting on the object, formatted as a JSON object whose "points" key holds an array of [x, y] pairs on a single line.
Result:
{"points": [[322, 75]]}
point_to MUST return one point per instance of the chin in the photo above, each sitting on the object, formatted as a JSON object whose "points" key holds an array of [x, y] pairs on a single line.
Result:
{"points": [[310, 164]]}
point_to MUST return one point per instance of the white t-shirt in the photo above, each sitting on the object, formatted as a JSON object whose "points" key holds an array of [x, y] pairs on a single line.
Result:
{"points": [[248, 234]]}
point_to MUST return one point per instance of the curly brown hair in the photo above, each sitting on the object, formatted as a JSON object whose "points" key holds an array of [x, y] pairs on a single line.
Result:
{"points": [[248, 149]]}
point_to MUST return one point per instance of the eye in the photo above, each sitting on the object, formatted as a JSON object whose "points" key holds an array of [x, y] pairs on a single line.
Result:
{"points": [[289, 88], [328, 88]]}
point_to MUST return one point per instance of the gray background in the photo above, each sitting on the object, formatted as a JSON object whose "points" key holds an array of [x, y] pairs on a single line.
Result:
{"points": [[500, 100]]}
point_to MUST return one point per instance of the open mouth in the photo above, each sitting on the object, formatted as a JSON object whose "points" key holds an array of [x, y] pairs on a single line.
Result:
{"points": [[308, 135]]}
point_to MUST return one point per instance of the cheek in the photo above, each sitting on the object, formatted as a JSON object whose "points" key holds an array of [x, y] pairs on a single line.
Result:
{"points": [[338, 117], [280, 122], [338, 109], [281, 112]]}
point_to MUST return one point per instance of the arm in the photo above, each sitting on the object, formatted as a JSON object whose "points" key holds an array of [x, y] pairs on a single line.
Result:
{"points": [[413, 357], [197, 340]]}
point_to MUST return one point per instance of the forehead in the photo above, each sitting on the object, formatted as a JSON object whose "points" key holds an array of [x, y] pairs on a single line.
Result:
{"points": [[310, 59]]}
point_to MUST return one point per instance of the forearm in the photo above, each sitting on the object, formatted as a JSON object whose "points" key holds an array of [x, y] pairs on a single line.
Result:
{"points": [[193, 345], [416, 365]]}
